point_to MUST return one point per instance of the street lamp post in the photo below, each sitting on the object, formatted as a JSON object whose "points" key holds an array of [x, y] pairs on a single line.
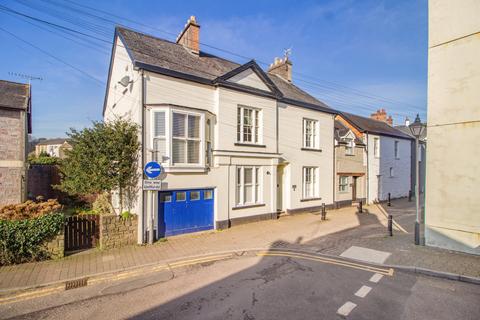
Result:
{"points": [[417, 128]]}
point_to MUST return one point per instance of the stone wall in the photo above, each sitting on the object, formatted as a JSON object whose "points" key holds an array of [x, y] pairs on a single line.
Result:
{"points": [[116, 231], [12, 156], [56, 246]]}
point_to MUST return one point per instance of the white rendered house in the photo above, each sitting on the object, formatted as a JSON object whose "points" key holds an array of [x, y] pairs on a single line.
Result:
{"points": [[237, 143]]}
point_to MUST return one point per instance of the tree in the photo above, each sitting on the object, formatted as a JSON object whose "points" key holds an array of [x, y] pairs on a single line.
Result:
{"points": [[103, 158]]}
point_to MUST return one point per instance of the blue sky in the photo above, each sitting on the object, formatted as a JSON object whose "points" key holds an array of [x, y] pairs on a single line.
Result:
{"points": [[357, 56]]}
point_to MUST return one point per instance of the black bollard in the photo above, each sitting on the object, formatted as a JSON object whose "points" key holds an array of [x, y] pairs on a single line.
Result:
{"points": [[390, 227], [324, 212], [389, 202], [360, 207], [409, 195]]}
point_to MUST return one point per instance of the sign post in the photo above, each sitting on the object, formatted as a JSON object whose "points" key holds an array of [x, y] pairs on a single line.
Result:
{"points": [[152, 170]]}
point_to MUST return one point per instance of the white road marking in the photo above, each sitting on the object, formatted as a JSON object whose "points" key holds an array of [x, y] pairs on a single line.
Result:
{"points": [[376, 277], [363, 291], [346, 308], [365, 254]]}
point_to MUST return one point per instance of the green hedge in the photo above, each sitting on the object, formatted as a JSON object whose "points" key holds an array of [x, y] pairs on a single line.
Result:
{"points": [[23, 240]]}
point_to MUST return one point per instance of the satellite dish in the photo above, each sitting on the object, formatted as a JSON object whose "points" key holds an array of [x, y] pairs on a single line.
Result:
{"points": [[125, 81]]}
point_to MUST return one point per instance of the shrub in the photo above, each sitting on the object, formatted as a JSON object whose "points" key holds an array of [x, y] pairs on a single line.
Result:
{"points": [[126, 215], [29, 209], [102, 204], [23, 240]]}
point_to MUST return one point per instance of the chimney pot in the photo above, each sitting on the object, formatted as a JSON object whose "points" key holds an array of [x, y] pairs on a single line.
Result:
{"points": [[190, 35], [282, 68]]}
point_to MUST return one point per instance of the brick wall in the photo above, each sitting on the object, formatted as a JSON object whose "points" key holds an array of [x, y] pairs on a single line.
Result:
{"points": [[116, 231], [40, 181], [12, 156]]}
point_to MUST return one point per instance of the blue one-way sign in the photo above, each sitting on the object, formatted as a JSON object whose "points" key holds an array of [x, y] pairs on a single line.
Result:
{"points": [[152, 169]]}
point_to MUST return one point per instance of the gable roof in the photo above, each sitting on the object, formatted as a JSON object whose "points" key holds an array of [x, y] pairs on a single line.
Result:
{"points": [[14, 95], [52, 141], [369, 125], [172, 59], [340, 130]]}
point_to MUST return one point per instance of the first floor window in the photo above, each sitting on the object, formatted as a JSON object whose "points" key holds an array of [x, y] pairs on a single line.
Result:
{"points": [[248, 185], [349, 148], [310, 183], [310, 135], [343, 184], [177, 137], [397, 151], [248, 125], [391, 172], [376, 147]]}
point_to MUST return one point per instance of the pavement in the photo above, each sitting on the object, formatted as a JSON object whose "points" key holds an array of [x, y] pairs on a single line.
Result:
{"points": [[269, 284], [344, 229]]}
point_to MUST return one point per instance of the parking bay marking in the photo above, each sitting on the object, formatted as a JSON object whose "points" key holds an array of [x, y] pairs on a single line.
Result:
{"points": [[382, 271]]}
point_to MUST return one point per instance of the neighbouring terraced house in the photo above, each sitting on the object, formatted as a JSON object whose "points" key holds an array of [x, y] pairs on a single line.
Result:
{"points": [[388, 155], [15, 125], [350, 165], [237, 144]]}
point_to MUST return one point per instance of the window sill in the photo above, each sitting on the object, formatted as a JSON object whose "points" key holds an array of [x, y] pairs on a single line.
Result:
{"points": [[343, 192], [310, 199], [255, 145], [311, 149], [247, 206], [185, 169]]}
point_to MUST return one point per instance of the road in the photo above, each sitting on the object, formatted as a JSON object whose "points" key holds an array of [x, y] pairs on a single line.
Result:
{"points": [[283, 286]]}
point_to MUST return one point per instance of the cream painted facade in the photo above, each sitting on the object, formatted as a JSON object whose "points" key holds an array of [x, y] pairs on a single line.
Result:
{"points": [[453, 172], [277, 154], [294, 158]]}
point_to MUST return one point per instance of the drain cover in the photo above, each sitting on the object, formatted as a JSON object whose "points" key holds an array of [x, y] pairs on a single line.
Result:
{"points": [[73, 284]]}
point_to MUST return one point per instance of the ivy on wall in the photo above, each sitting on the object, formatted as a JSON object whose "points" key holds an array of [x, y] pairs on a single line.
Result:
{"points": [[23, 240]]}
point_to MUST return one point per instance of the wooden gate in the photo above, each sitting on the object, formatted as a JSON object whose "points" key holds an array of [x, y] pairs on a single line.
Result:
{"points": [[81, 232]]}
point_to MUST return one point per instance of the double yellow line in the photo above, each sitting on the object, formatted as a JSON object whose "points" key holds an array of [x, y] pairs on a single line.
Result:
{"points": [[115, 277], [311, 257]]}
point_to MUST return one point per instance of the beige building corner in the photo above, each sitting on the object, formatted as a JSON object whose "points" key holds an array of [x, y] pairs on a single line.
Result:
{"points": [[453, 171]]}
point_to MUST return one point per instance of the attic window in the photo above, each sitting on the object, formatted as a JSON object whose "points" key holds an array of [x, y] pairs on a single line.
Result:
{"points": [[349, 148]]}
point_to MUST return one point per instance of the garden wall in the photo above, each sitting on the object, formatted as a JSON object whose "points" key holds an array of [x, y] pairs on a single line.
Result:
{"points": [[116, 231], [41, 177], [56, 246]]}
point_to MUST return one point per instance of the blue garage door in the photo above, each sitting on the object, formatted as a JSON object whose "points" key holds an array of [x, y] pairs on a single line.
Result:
{"points": [[184, 211]]}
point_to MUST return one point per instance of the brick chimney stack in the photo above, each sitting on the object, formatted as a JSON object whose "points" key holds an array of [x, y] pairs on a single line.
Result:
{"points": [[190, 36], [381, 115], [282, 68]]}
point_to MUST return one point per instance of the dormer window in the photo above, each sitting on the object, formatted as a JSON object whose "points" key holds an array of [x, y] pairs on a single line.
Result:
{"points": [[349, 147]]}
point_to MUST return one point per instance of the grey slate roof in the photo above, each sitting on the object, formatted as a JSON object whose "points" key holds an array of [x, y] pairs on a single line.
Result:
{"points": [[52, 141], [341, 130], [168, 55], [14, 95], [374, 126]]}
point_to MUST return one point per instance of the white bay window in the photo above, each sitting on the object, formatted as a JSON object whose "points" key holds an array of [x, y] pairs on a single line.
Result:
{"points": [[178, 137]]}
